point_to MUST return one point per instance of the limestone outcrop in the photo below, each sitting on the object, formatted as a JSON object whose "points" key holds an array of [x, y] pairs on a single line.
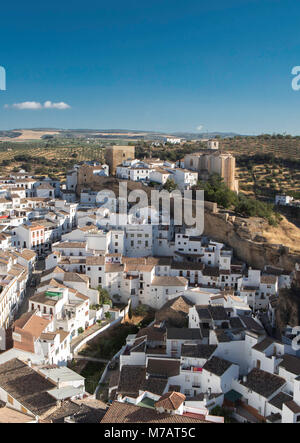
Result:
{"points": [[246, 237]]}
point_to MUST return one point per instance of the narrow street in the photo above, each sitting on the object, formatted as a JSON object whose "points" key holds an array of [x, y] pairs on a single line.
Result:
{"points": [[33, 283]]}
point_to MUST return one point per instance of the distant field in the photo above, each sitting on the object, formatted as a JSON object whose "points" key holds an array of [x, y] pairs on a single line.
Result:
{"points": [[46, 159], [27, 134], [281, 146]]}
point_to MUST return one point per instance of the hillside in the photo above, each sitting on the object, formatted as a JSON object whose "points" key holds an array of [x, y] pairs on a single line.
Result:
{"points": [[288, 308], [285, 233], [279, 145], [129, 134], [254, 241]]}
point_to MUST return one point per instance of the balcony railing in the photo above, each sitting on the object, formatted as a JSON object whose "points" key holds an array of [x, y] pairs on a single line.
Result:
{"points": [[191, 368]]}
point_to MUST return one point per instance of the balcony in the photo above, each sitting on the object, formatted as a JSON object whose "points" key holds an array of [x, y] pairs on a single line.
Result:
{"points": [[191, 368], [186, 368]]}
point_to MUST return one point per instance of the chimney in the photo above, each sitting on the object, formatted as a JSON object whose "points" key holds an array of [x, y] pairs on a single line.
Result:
{"points": [[29, 362]]}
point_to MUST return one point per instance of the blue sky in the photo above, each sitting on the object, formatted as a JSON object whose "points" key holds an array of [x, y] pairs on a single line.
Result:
{"points": [[154, 65]]}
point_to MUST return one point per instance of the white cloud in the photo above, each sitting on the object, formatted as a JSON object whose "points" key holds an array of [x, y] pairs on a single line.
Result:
{"points": [[60, 105], [36, 105], [25, 105], [199, 127]]}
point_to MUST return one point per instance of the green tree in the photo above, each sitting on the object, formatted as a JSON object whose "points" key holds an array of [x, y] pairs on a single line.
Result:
{"points": [[215, 190], [170, 185], [104, 297], [221, 412]]}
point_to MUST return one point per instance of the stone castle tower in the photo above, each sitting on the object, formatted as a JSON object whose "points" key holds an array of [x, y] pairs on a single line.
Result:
{"points": [[115, 155]]}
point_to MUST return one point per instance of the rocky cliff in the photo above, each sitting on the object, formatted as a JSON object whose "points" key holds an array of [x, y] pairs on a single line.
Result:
{"points": [[288, 308], [246, 237]]}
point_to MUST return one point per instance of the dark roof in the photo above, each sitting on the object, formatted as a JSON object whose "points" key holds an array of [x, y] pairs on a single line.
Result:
{"points": [[163, 368], [263, 383], [204, 331], [273, 418], [223, 335], [131, 378], [198, 351], [250, 323], [114, 378], [128, 413], [203, 312], [235, 323], [217, 366], [279, 399], [263, 345], [218, 312], [215, 312], [292, 405], [183, 334], [26, 386], [211, 272], [153, 333], [291, 364], [67, 408], [139, 345], [154, 385], [88, 415]]}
